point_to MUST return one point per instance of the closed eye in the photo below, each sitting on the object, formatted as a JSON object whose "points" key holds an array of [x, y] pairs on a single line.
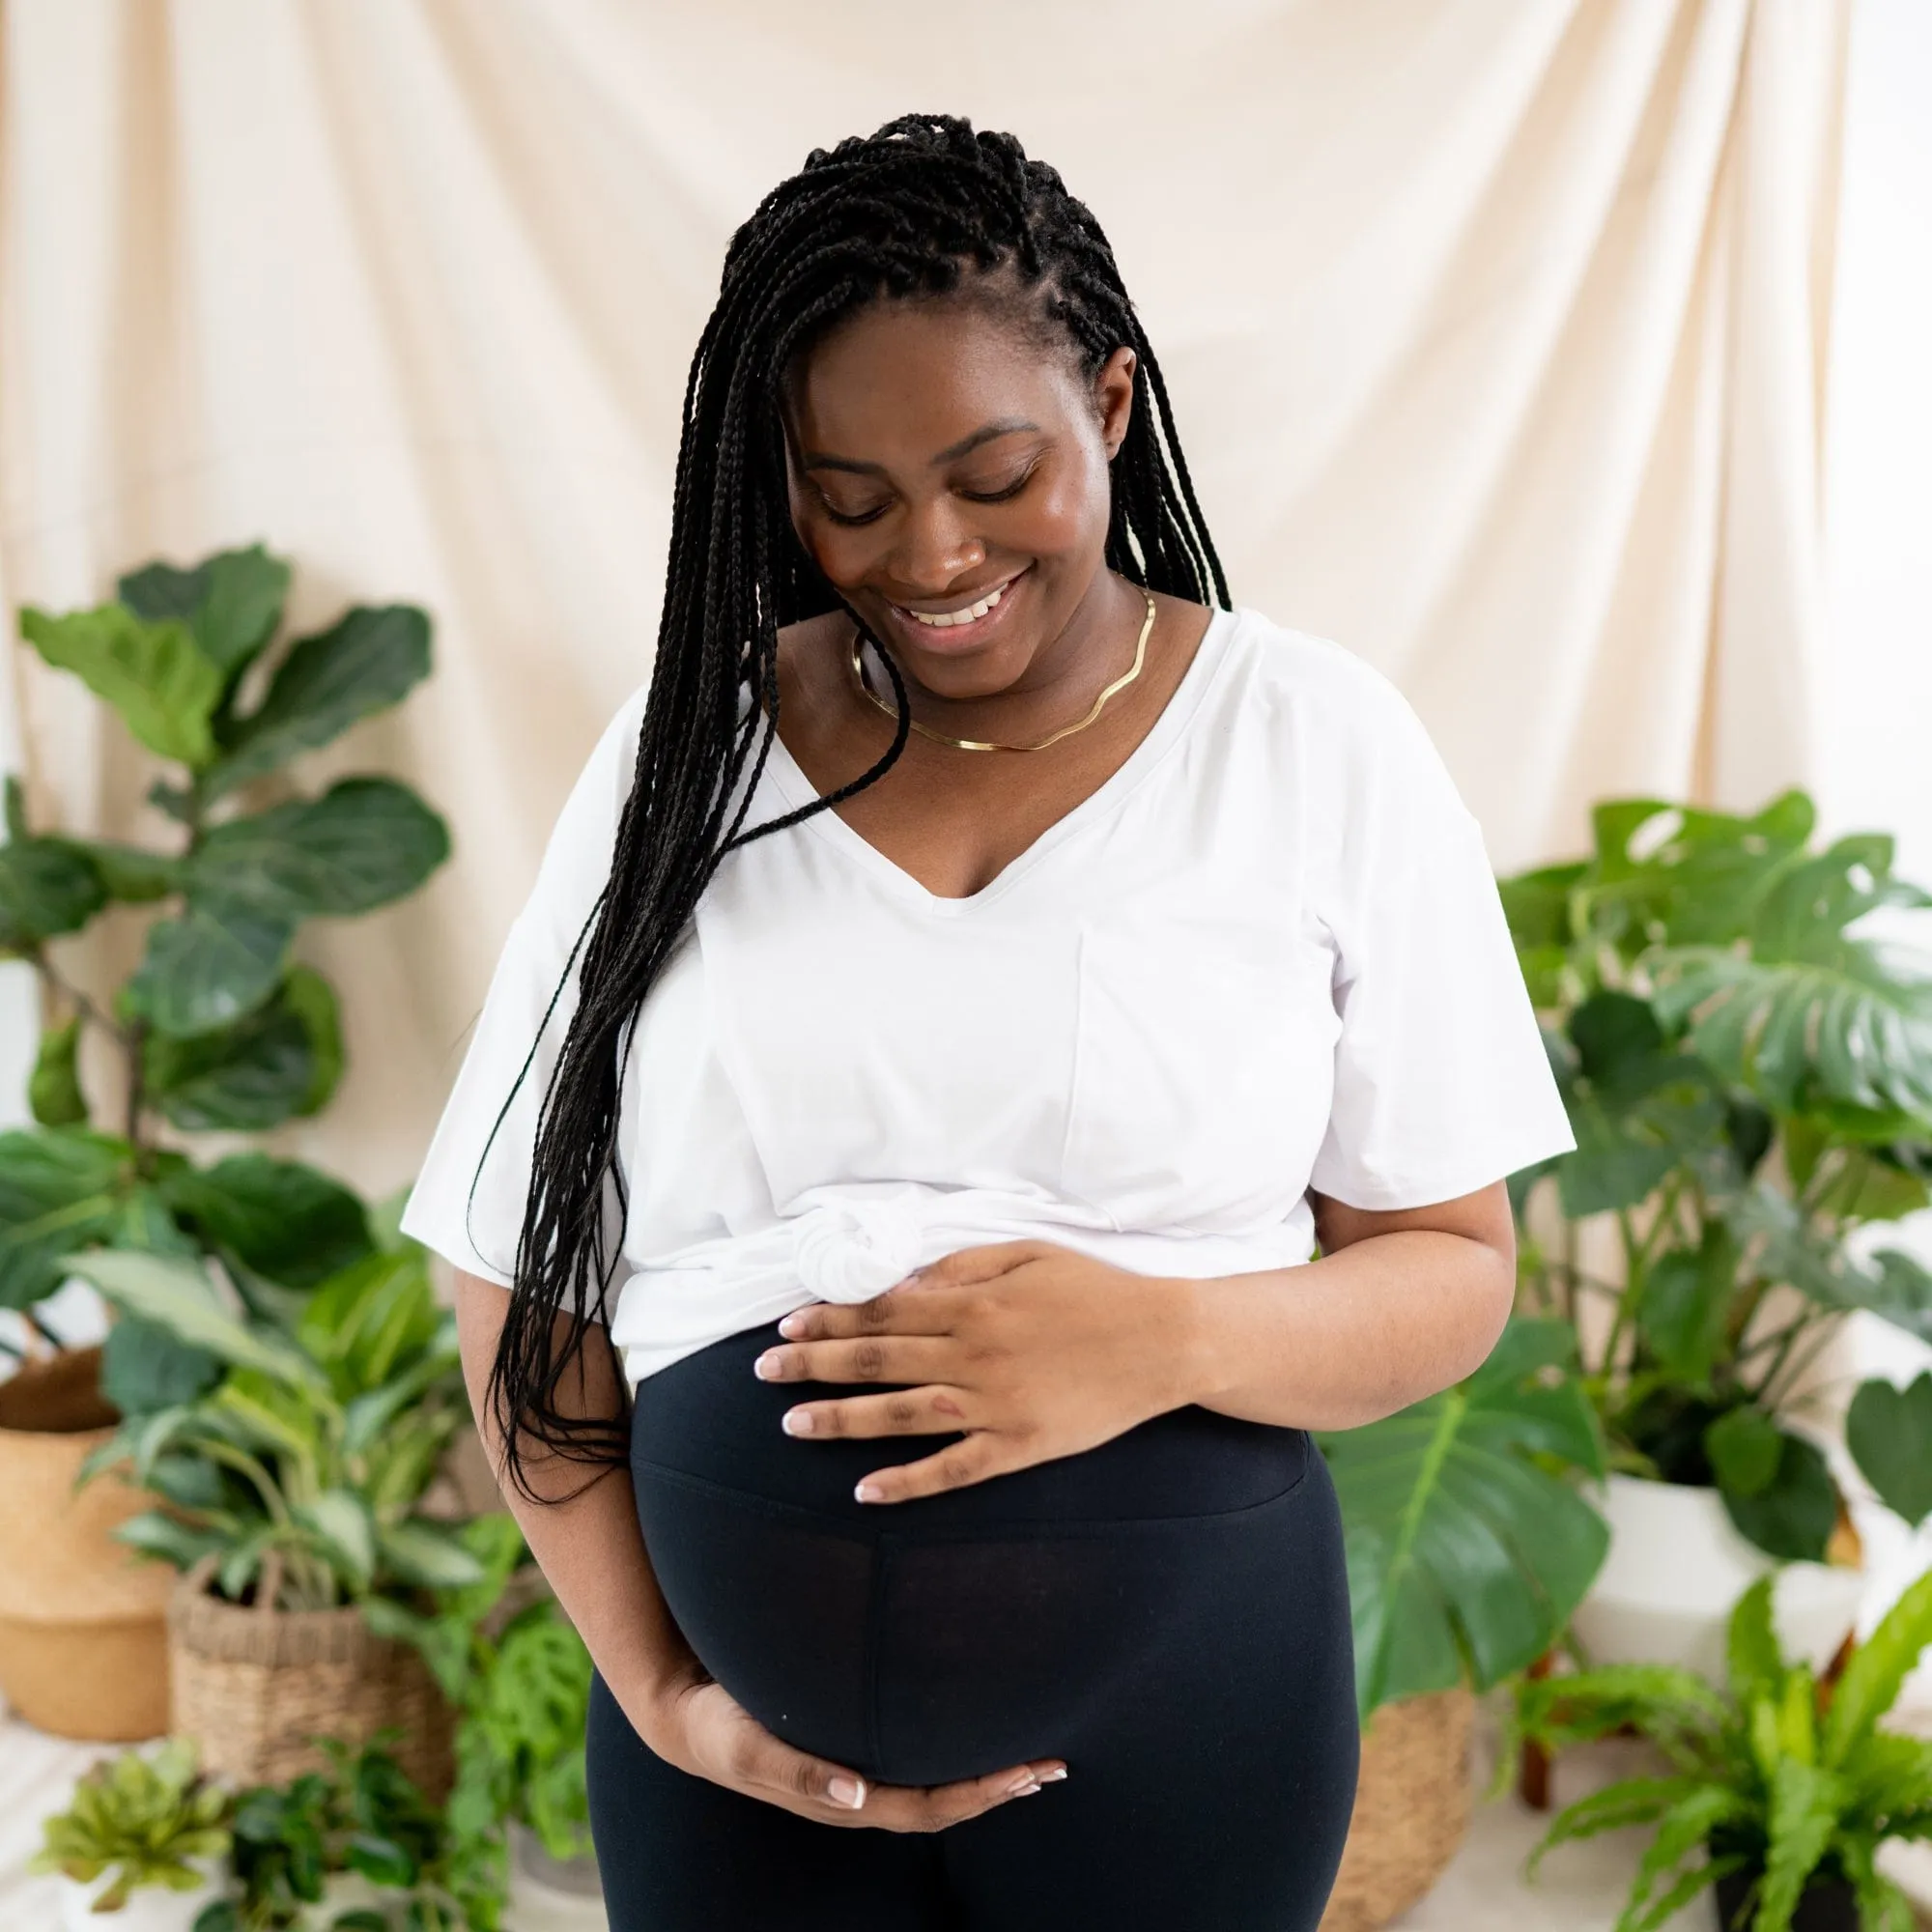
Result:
{"points": [[1011, 489]]}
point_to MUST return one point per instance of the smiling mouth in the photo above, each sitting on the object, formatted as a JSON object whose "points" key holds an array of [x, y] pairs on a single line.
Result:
{"points": [[966, 614]]}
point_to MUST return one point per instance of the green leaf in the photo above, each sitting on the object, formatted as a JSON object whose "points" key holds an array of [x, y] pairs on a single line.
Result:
{"points": [[1746, 1447], [47, 886], [15, 808], [1756, 1662], [1889, 1431], [285, 1220], [1870, 1682], [145, 1367], [154, 675], [180, 1295], [131, 875], [1685, 1304], [1805, 1802], [363, 844], [1793, 1515], [232, 602], [209, 966], [168, 1540], [367, 662], [341, 1519], [1683, 1830], [1810, 1011], [278, 1061], [59, 1191], [1467, 1557], [53, 1088], [422, 1553]]}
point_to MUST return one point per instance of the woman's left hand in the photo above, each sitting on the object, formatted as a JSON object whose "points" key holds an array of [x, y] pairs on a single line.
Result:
{"points": [[1034, 1350]]}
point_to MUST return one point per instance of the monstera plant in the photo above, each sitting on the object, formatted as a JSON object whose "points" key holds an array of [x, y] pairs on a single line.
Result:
{"points": [[1747, 1068], [1468, 1545], [219, 1027]]}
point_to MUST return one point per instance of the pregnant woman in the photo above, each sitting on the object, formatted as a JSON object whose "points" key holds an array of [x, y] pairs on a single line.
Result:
{"points": [[962, 992]]}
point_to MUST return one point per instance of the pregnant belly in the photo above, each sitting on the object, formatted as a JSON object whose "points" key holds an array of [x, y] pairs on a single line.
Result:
{"points": [[954, 1634]]}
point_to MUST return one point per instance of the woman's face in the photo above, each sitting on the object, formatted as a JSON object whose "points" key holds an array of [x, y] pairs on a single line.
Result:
{"points": [[940, 463]]}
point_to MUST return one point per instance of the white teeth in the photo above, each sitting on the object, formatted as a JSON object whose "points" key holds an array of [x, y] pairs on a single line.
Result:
{"points": [[947, 619]]}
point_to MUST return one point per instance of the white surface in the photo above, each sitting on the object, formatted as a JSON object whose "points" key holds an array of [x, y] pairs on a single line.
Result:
{"points": [[1268, 955]]}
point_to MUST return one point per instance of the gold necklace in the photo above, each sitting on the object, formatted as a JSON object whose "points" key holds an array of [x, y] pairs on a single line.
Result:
{"points": [[1121, 683]]}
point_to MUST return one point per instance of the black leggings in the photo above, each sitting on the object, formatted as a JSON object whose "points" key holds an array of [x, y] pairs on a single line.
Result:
{"points": [[1167, 1612]]}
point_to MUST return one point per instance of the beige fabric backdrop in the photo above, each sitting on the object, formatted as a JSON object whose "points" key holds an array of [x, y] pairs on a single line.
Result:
{"points": [[1496, 331]]}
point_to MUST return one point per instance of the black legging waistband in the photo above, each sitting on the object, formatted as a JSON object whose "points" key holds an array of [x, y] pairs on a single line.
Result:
{"points": [[708, 1418]]}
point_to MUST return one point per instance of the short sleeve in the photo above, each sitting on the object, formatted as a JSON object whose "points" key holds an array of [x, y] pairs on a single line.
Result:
{"points": [[1441, 1083], [477, 1230]]}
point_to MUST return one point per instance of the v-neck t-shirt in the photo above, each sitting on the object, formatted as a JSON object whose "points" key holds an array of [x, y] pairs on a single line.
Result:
{"points": [[1266, 958]]}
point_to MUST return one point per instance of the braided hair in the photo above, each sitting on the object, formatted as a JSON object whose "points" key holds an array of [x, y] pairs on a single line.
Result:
{"points": [[925, 208]]}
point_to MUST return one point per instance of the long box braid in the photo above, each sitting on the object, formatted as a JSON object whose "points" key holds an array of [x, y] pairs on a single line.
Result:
{"points": [[913, 210]]}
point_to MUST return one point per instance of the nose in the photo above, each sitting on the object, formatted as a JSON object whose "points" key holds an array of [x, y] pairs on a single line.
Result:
{"points": [[936, 549]]}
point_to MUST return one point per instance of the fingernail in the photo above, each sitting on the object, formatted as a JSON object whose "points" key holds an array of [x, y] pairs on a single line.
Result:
{"points": [[798, 1422], [766, 1367], [846, 1791], [793, 1324], [1020, 1786], [1048, 1776], [868, 1493]]}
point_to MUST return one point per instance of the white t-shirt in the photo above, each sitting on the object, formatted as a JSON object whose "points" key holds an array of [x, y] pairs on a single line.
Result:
{"points": [[1265, 956]]}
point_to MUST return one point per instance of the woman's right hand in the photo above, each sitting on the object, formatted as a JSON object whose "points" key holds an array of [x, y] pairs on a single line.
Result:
{"points": [[694, 1723]]}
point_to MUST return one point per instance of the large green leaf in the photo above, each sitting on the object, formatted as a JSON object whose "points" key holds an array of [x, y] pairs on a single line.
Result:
{"points": [[1789, 1509], [366, 663], [341, 1519], [129, 873], [47, 886], [363, 844], [209, 966], [230, 602], [1889, 1431], [428, 1553], [1891, 1284], [60, 1190], [160, 681], [146, 1368], [1466, 1556], [286, 1221], [1685, 1304], [1849, 1022], [179, 1295], [278, 1061], [53, 1088]]}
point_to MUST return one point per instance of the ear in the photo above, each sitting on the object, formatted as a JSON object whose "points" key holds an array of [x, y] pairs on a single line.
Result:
{"points": [[1113, 398]]}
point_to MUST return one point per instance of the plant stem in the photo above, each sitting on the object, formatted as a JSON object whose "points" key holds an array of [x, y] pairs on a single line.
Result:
{"points": [[80, 999], [1803, 1360]]}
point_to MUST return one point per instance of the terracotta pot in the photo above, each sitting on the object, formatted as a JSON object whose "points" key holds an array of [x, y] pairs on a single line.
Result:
{"points": [[83, 1640], [1411, 1809], [1675, 1569]]}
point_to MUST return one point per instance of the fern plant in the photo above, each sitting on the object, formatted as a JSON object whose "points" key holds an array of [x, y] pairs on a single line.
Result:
{"points": [[220, 1028], [1749, 1075], [1777, 1783]]}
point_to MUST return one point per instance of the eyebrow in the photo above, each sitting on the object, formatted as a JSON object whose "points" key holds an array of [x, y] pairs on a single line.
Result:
{"points": [[1006, 426]]}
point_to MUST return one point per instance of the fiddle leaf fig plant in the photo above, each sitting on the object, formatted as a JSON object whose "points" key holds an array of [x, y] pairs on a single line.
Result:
{"points": [[220, 1028], [1747, 1069]]}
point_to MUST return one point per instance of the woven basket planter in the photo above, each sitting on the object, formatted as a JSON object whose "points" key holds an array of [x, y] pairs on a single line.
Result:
{"points": [[83, 1645], [255, 1687], [1411, 1809]]}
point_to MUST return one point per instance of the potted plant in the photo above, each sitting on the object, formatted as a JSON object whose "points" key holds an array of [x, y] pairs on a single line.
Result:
{"points": [[355, 1846], [218, 1029], [1469, 1547], [1781, 1788], [1749, 1079], [520, 1680], [144, 1838], [292, 1496]]}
